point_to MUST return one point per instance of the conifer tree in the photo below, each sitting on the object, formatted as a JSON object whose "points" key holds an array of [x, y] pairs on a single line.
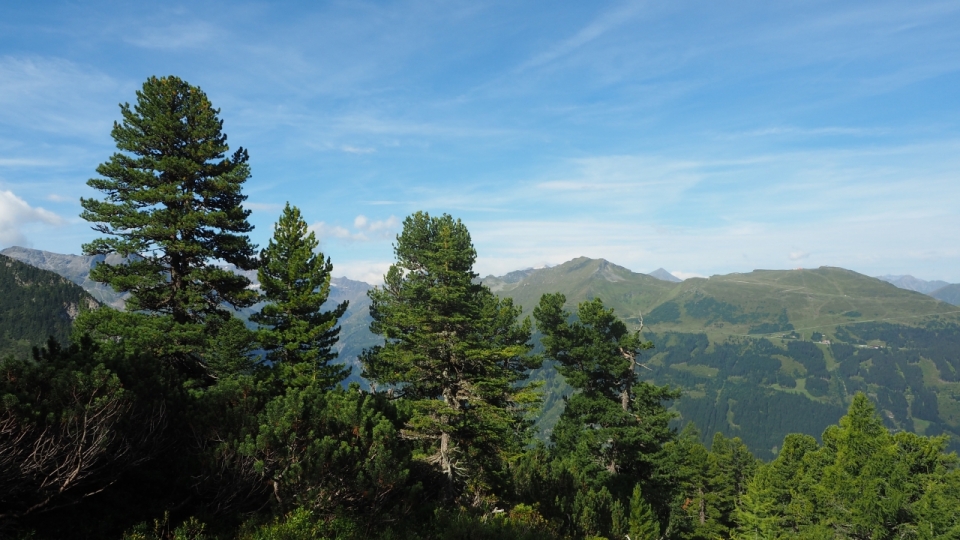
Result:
{"points": [[173, 205], [295, 281], [455, 351], [863, 482], [689, 514], [616, 425], [643, 522], [731, 467]]}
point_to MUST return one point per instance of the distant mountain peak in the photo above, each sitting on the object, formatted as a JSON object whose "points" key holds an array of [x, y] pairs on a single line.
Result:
{"points": [[517, 275], [662, 274], [914, 284]]}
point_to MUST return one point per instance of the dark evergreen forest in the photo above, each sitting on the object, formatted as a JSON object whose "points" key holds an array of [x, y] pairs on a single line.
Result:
{"points": [[37, 305]]}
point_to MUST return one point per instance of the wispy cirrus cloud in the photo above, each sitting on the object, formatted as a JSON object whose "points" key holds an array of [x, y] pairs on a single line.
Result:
{"points": [[795, 131], [357, 149], [175, 36], [56, 96], [27, 162], [602, 24]]}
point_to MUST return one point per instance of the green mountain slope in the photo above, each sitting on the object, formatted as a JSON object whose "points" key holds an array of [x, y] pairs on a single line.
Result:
{"points": [[583, 279], [34, 305], [733, 304], [741, 346], [766, 301]]}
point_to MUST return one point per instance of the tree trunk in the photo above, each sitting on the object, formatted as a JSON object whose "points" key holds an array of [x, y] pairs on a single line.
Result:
{"points": [[446, 457], [446, 464], [703, 507]]}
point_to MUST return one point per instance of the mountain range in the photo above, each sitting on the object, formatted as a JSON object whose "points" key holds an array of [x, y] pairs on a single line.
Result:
{"points": [[941, 290], [76, 268], [757, 355], [770, 352]]}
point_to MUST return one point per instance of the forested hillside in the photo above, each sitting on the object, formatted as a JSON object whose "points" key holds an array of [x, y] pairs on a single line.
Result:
{"points": [[739, 346], [35, 305], [764, 354], [76, 268]]}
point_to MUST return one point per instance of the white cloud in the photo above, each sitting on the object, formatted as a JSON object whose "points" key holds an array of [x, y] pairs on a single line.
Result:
{"points": [[371, 272], [364, 230], [325, 231], [15, 213], [383, 227], [798, 255], [826, 131], [887, 244]]}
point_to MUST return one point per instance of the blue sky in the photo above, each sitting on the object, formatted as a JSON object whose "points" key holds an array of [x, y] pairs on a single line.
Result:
{"points": [[703, 137]]}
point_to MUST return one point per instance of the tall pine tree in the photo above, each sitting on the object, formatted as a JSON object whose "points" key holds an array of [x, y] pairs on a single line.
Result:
{"points": [[295, 281], [173, 206], [455, 351]]}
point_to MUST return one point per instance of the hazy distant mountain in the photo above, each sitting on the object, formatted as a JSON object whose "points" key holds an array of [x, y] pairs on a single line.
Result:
{"points": [[949, 294], [355, 333], [660, 273], [496, 283], [914, 284]]}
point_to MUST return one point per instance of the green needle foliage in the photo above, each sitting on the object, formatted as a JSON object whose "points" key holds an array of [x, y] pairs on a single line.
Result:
{"points": [[331, 451], [173, 205], [643, 522], [614, 427], [295, 281], [863, 482], [455, 351]]}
